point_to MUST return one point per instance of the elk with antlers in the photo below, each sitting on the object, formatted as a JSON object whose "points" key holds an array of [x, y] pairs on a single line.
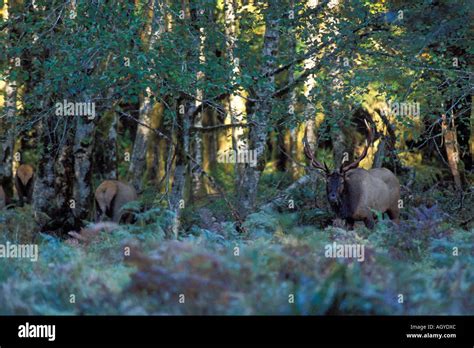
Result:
{"points": [[355, 193]]}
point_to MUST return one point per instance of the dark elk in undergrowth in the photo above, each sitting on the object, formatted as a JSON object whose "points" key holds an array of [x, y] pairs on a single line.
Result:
{"points": [[355, 193]]}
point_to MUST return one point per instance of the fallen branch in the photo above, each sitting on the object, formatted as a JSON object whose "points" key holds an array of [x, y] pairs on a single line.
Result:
{"points": [[219, 126], [284, 195]]}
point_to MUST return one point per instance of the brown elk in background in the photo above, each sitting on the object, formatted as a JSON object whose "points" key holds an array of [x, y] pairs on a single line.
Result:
{"points": [[24, 182], [110, 197], [3, 198], [354, 193]]}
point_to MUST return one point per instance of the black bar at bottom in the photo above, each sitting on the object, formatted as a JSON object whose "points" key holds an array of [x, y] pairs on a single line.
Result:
{"points": [[134, 331]]}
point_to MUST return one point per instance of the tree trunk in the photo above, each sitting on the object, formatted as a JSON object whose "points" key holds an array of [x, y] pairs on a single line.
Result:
{"points": [[177, 197], [294, 150], [154, 168], [260, 113], [386, 147], [380, 154], [63, 216], [138, 160], [105, 142], [471, 136], [452, 150], [197, 139], [236, 104], [197, 154], [82, 152], [12, 34], [44, 194], [54, 177], [156, 147], [7, 139], [289, 139], [309, 108], [110, 151], [336, 110], [150, 34]]}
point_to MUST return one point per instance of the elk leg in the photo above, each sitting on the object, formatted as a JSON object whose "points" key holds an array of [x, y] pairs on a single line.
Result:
{"points": [[350, 223], [117, 216], [30, 193], [131, 218], [126, 218], [21, 201], [394, 215], [369, 221], [20, 189]]}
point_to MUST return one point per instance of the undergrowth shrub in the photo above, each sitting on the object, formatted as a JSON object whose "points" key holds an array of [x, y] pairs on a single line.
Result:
{"points": [[279, 267], [411, 238], [18, 225]]}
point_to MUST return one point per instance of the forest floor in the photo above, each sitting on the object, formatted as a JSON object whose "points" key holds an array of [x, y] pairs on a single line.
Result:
{"points": [[424, 266]]}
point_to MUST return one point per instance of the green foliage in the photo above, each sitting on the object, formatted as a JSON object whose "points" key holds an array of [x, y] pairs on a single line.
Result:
{"points": [[271, 183], [18, 225], [283, 255], [152, 224], [279, 258], [426, 176], [411, 239]]}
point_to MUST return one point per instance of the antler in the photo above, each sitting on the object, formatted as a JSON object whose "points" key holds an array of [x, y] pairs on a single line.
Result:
{"points": [[355, 164], [309, 154]]}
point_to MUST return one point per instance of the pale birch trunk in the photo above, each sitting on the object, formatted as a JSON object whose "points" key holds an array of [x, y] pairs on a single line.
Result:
{"points": [[140, 145], [337, 109], [177, 199], [237, 109], [197, 140], [260, 113], [151, 33]]}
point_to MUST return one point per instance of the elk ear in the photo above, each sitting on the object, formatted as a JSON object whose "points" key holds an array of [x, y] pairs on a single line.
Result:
{"points": [[110, 193]]}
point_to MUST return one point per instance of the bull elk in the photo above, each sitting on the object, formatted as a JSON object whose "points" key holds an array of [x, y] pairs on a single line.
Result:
{"points": [[354, 193]]}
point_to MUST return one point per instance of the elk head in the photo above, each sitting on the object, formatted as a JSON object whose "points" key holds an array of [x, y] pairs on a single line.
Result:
{"points": [[335, 180]]}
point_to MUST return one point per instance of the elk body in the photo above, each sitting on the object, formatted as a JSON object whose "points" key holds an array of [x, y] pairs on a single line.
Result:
{"points": [[110, 197], [3, 198], [354, 193], [24, 182]]}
